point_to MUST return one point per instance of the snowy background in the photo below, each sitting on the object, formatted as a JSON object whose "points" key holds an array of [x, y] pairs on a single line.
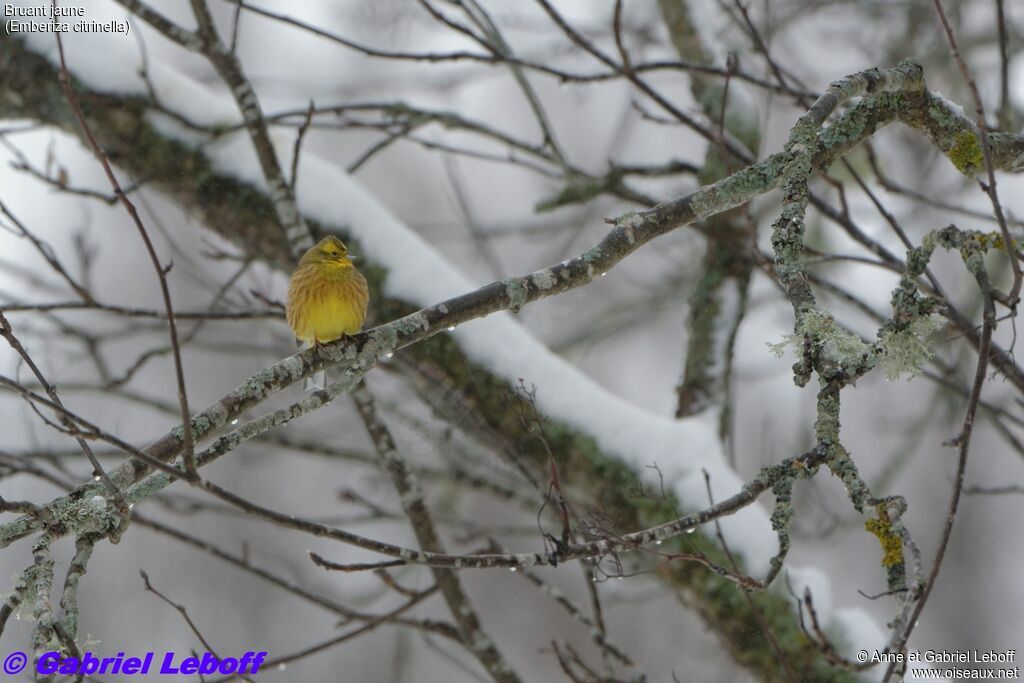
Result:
{"points": [[445, 225]]}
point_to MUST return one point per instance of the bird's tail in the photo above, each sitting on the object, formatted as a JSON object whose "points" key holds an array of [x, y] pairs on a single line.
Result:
{"points": [[316, 381]]}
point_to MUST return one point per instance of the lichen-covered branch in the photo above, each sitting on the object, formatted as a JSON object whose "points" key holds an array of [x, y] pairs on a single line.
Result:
{"points": [[84, 546], [773, 477], [718, 301]]}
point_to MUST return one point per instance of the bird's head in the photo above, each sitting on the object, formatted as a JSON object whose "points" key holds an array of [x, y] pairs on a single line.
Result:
{"points": [[329, 250]]}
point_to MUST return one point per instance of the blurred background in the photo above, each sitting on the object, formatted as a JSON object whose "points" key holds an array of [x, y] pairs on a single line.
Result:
{"points": [[502, 163]]}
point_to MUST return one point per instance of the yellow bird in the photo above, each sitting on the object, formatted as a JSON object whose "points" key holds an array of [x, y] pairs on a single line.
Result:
{"points": [[327, 295]]}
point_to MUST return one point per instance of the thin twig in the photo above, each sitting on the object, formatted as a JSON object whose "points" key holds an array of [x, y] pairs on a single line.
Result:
{"points": [[161, 271], [986, 150]]}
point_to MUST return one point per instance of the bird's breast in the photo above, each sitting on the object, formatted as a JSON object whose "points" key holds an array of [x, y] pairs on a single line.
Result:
{"points": [[326, 303]]}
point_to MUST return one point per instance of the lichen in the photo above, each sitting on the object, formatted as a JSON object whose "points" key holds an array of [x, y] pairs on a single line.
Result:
{"points": [[892, 546], [906, 350], [386, 338], [516, 292], [543, 280], [738, 188], [411, 324], [966, 153], [91, 514], [591, 255], [836, 343]]}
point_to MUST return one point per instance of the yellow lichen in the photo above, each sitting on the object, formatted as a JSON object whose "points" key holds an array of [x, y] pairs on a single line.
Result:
{"points": [[966, 153], [892, 546]]}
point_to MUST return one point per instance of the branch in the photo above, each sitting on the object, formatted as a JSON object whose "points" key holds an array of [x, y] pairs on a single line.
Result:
{"points": [[474, 638]]}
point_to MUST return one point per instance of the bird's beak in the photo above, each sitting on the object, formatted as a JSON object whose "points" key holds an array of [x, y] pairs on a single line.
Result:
{"points": [[353, 257]]}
